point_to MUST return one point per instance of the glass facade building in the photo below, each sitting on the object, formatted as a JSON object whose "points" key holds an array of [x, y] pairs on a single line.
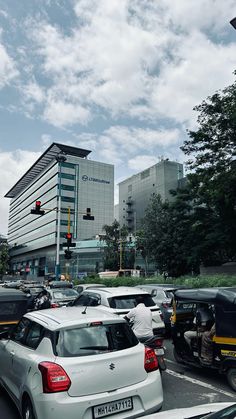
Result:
{"points": [[81, 183]]}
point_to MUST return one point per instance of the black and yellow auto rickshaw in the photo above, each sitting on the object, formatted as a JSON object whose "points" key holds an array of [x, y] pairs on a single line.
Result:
{"points": [[187, 304], [13, 304]]}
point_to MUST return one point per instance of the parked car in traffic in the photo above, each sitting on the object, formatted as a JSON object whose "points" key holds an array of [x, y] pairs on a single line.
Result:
{"points": [[120, 300], [78, 363], [61, 296]]}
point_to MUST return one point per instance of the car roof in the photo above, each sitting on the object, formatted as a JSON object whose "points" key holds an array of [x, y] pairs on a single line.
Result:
{"points": [[91, 285], [119, 291], [62, 317], [11, 294], [159, 287]]}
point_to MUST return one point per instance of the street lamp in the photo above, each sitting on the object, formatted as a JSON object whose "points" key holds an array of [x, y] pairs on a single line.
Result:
{"points": [[60, 158], [233, 22]]}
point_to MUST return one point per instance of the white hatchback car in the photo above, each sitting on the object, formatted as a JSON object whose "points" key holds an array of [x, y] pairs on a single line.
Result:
{"points": [[120, 300], [78, 363]]}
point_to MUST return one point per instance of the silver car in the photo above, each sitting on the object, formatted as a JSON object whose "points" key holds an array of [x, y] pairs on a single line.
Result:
{"points": [[78, 363], [120, 300]]}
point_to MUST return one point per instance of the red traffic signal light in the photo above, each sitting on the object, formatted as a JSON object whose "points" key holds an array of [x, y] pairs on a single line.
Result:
{"points": [[37, 210], [68, 238], [68, 242]]}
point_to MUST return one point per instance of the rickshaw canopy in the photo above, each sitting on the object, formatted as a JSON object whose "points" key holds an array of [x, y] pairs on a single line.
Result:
{"points": [[13, 304], [224, 301]]}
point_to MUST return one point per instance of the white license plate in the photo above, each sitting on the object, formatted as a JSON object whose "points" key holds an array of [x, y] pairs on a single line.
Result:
{"points": [[107, 409], [159, 351]]}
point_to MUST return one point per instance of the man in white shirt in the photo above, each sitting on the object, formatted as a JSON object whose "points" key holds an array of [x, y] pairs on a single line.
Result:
{"points": [[141, 317]]}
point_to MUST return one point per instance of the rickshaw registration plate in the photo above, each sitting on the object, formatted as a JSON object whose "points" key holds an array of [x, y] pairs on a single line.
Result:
{"points": [[107, 409]]}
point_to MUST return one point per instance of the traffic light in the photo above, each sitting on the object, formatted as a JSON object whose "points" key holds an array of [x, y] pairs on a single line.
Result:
{"points": [[68, 238], [88, 215], [37, 210], [68, 254], [68, 242]]}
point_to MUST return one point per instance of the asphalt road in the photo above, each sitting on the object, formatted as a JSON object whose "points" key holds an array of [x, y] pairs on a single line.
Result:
{"points": [[183, 387]]}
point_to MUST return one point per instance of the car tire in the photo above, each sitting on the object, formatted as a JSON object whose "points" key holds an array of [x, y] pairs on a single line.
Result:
{"points": [[27, 409], [231, 377]]}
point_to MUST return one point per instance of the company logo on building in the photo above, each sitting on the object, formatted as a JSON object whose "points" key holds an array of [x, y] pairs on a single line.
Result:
{"points": [[86, 178]]}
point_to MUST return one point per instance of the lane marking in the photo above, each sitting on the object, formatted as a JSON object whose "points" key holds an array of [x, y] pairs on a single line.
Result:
{"points": [[199, 383]]}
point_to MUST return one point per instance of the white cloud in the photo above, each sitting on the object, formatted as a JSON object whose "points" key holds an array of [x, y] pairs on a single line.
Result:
{"points": [[12, 166], [136, 59], [8, 70], [33, 91], [200, 68], [60, 113], [142, 162]]}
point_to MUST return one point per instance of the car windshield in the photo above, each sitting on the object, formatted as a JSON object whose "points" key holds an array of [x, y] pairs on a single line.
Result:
{"points": [[227, 413], [65, 293], [130, 301], [94, 339]]}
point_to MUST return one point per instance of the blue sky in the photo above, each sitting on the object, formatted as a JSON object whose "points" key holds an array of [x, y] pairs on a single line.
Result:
{"points": [[118, 77]]}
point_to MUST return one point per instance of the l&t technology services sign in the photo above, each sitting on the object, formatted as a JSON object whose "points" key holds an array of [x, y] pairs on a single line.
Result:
{"points": [[86, 178]]}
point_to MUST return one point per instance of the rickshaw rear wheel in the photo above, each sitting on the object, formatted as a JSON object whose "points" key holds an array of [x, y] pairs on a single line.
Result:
{"points": [[231, 377], [177, 357]]}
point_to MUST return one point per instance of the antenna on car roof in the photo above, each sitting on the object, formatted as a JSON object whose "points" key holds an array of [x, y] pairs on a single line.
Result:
{"points": [[85, 309]]}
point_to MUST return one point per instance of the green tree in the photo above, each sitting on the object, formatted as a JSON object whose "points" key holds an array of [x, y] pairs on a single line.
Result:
{"points": [[168, 233], [4, 257], [115, 250], [212, 158]]}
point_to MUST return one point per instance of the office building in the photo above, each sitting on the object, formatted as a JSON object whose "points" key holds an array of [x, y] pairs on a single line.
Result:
{"points": [[63, 177], [136, 191]]}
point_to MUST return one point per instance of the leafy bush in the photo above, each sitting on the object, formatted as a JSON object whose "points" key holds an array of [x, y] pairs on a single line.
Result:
{"points": [[189, 281]]}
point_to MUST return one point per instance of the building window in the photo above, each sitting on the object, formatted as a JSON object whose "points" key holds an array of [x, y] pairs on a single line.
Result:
{"points": [[67, 199], [70, 165], [67, 187], [67, 176]]}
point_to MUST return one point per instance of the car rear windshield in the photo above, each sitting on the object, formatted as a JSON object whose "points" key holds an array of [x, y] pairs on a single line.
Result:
{"points": [[93, 339], [65, 293], [130, 301]]}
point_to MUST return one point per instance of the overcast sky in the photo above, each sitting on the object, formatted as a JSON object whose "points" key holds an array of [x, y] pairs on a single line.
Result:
{"points": [[118, 77]]}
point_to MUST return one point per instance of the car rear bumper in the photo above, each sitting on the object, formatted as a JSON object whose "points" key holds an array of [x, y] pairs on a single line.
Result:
{"points": [[147, 398]]}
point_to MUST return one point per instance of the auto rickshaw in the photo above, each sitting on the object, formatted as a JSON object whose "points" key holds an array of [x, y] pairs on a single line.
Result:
{"points": [[13, 304], [222, 303]]}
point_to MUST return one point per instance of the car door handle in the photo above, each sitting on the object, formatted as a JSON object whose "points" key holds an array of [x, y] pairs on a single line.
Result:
{"points": [[12, 353]]}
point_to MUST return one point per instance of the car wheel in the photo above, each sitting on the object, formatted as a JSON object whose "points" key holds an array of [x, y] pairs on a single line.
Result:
{"points": [[231, 377], [27, 409], [177, 357]]}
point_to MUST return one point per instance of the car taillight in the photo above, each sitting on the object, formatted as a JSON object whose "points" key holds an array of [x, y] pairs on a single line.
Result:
{"points": [[54, 377], [150, 360], [54, 305]]}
